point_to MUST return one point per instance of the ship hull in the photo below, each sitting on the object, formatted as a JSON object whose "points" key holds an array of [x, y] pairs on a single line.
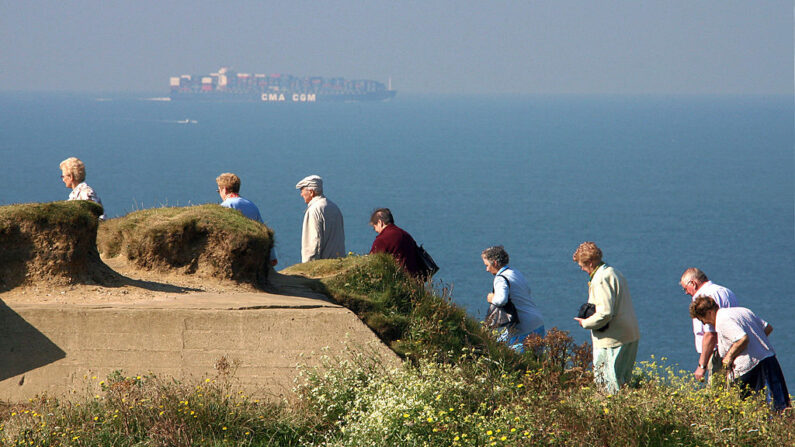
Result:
{"points": [[283, 97], [229, 86]]}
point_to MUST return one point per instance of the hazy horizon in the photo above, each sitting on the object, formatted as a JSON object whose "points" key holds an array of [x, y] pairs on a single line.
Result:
{"points": [[463, 47]]}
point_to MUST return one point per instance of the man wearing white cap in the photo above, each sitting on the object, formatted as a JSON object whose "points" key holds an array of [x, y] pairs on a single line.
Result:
{"points": [[323, 235]]}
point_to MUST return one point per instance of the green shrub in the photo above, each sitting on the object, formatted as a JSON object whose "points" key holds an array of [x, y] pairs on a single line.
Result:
{"points": [[147, 411], [417, 320]]}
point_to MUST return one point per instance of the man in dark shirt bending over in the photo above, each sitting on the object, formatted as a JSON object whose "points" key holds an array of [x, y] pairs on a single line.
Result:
{"points": [[393, 240]]}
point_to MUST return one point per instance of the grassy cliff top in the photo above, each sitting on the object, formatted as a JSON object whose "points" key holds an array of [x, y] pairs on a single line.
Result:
{"points": [[75, 212], [417, 320], [50, 243], [204, 240]]}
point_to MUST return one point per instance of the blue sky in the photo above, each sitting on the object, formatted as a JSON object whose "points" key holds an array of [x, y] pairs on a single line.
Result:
{"points": [[523, 47]]}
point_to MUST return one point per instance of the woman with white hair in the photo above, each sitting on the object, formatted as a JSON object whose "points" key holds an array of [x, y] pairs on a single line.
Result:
{"points": [[73, 174]]}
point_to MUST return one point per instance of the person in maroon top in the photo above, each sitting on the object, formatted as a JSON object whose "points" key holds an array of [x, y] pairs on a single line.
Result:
{"points": [[393, 240]]}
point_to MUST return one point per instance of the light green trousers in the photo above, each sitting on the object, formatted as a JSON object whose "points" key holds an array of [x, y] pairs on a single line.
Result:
{"points": [[612, 367]]}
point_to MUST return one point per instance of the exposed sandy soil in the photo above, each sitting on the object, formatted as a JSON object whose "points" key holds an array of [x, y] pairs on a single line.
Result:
{"points": [[137, 285]]}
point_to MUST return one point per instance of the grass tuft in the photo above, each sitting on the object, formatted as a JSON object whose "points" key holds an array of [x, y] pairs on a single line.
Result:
{"points": [[416, 319], [206, 240]]}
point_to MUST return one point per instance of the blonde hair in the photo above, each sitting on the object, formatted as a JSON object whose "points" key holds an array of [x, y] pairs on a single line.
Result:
{"points": [[75, 168], [229, 181], [587, 253]]}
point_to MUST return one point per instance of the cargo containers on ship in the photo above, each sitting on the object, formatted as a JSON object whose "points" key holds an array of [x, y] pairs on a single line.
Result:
{"points": [[228, 85]]}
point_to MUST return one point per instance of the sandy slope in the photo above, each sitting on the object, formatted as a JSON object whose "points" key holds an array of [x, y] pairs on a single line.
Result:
{"points": [[143, 286]]}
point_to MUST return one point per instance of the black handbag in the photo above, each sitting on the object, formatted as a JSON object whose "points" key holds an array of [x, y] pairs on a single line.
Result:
{"points": [[588, 309], [505, 316], [427, 264]]}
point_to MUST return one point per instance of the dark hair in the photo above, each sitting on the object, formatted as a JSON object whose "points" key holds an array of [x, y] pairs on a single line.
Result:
{"points": [[382, 214], [701, 305], [496, 255]]}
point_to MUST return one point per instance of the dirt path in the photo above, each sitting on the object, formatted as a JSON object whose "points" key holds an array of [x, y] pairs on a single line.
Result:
{"points": [[141, 286]]}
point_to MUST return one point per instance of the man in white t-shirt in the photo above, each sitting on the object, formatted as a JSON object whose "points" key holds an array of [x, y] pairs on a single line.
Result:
{"points": [[695, 283], [748, 356]]}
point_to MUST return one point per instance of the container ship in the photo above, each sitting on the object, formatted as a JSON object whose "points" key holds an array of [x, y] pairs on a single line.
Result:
{"points": [[228, 85]]}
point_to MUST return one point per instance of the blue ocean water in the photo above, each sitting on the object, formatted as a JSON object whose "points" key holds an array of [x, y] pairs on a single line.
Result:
{"points": [[659, 183]]}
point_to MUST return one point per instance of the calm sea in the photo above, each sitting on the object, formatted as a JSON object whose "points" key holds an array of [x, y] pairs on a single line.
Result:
{"points": [[659, 183]]}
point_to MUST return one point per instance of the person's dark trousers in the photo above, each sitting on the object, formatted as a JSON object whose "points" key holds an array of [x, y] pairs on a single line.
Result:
{"points": [[767, 372]]}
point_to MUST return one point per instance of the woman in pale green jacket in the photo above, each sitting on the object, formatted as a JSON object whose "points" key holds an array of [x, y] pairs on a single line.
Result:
{"points": [[613, 325]]}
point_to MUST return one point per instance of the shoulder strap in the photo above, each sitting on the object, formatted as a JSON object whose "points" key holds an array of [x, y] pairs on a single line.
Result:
{"points": [[506, 282]]}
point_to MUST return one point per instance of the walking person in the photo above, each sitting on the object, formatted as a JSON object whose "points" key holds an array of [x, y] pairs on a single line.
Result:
{"points": [[695, 283], [395, 241], [73, 175], [229, 190], [510, 286], [323, 232], [613, 325], [743, 344]]}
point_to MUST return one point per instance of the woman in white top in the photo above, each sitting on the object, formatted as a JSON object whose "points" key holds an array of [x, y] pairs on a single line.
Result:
{"points": [[73, 174]]}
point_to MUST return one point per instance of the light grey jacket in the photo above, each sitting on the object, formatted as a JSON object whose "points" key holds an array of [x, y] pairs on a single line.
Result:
{"points": [[323, 234]]}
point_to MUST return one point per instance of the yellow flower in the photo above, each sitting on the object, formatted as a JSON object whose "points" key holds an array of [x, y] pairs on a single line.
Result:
{"points": [[606, 410], [223, 428], [405, 415], [503, 438], [489, 432]]}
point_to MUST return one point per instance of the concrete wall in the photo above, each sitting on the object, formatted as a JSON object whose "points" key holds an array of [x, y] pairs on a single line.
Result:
{"points": [[54, 348]]}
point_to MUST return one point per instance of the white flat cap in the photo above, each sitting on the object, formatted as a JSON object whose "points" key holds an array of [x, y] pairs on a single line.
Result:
{"points": [[311, 181]]}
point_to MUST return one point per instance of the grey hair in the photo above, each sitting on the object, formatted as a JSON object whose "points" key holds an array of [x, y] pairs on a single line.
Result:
{"points": [[74, 167], [318, 189], [496, 255], [694, 273]]}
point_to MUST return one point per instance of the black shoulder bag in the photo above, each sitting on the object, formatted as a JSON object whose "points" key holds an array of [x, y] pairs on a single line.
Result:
{"points": [[427, 264], [505, 316]]}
